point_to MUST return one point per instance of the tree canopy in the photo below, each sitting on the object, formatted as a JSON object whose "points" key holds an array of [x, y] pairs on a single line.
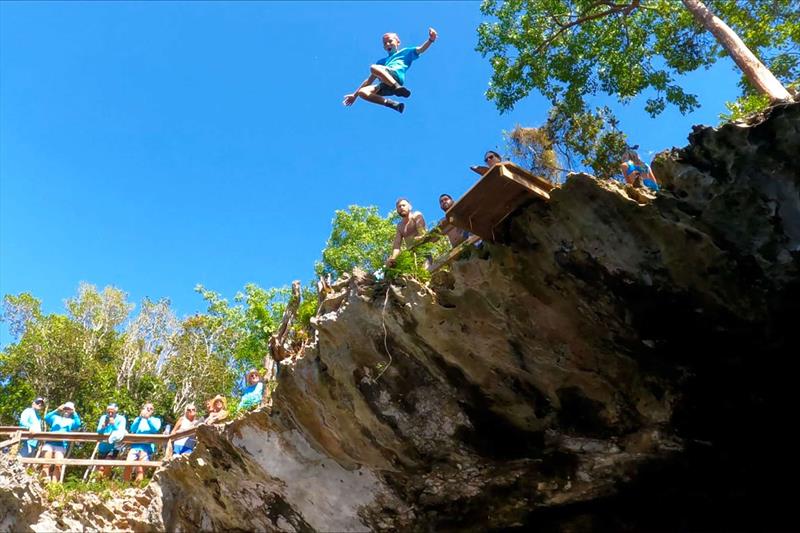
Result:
{"points": [[360, 237], [573, 50], [99, 350]]}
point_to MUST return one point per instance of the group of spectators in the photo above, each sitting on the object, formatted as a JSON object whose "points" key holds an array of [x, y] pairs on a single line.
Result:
{"points": [[65, 419], [412, 225]]}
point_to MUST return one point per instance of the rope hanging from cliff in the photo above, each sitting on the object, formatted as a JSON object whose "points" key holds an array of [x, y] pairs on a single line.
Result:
{"points": [[385, 334]]}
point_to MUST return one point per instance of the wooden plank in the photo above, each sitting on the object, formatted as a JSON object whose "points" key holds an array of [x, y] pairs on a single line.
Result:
{"points": [[90, 469], [13, 440], [496, 195], [88, 462], [452, 254]]}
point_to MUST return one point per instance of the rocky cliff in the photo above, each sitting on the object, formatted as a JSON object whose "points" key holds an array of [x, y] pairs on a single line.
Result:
{"points": [[617, 361]]}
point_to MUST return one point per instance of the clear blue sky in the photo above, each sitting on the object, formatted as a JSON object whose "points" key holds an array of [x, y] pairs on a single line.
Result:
{"points": [[154, 145]]}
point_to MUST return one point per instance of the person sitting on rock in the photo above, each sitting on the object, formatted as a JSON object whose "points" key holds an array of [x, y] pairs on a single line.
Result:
{"points": [[63, 419], [144, 424], [409, 229], [187, 421], [109, 423], [30, 420], [635, 172], [253, 391], [217, 409], [390, 73]]}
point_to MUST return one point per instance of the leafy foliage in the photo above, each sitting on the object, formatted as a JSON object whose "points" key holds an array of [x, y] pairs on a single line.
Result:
{"points": [[414, 262], [88, 357], [573, 50], [533, 149], [97, 352], [360, 237]]}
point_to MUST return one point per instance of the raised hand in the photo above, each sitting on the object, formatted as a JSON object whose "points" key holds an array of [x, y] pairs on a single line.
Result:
{"points": [[432, 35], [349, 99]]}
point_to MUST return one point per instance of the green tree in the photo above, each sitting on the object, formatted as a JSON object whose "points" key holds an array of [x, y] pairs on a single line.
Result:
{"points": [[199, 370], [249, 323], [571, 50], [149, 341], [360, 237]]}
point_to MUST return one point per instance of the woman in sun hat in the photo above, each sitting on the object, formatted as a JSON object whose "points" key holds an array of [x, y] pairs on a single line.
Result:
{"points": [[217, 409]]}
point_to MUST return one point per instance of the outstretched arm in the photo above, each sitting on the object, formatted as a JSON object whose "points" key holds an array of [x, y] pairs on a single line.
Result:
{"points": [[350, 98], [431, 38], [398, 242]]}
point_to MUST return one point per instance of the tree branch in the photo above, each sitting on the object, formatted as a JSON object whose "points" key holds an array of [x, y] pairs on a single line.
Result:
{"points": [[625, 9]]}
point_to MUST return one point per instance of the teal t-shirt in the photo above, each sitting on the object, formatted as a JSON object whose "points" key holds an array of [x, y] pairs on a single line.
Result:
{"points": [[251, 396], [30, 420], [62, 424], [145, 426], [118, 423], [399, 62]]}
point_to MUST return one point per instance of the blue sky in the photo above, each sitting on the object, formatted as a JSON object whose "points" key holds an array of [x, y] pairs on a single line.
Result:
{"points": [[154, 146]]}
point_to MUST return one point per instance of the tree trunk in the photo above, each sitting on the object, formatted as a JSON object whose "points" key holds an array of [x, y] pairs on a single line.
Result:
{"points": [[277, 342], [755, 71]]}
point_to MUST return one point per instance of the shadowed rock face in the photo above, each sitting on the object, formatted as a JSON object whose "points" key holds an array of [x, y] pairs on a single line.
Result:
{"points": [[620, 361]]}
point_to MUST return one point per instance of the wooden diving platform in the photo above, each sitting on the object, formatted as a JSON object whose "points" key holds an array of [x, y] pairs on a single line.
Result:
{"points": [[499, 192]]}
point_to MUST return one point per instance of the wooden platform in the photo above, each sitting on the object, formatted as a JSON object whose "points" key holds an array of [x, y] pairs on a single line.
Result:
{"points": [[496, 195]]}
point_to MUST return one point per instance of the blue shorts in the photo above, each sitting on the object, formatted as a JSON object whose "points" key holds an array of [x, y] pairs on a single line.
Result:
{"points": [[650, 183], [26, 450]]}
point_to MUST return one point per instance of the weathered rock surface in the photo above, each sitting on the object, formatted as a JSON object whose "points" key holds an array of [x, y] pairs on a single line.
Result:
{"points": [[621, 361]]}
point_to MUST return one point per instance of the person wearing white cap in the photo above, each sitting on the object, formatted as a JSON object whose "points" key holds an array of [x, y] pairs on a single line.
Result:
{"points": [[63, 419], [30, 420], [110, 422]]}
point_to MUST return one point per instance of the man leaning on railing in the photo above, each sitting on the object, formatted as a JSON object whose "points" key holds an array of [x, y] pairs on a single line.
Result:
{"points": [[32, 421]]}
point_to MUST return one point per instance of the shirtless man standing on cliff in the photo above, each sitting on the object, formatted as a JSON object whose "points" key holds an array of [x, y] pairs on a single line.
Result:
{"points": [[411, 226]]}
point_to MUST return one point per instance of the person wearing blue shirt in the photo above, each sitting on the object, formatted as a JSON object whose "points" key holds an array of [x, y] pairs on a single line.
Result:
{"points": [[110, 422], [253, 392], [636, 172], [61, 420], [30, 420], [390, 72], [144, 424]]}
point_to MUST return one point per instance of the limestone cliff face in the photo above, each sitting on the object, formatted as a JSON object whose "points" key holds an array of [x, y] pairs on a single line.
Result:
{"points": [[619, 360]]}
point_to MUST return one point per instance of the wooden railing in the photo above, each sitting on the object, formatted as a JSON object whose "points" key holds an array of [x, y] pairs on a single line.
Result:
{"points": [[20, 434]]}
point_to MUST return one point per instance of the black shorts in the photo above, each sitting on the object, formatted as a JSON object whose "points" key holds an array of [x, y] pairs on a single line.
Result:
{"points": [[111, 454], [385, 90]]}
